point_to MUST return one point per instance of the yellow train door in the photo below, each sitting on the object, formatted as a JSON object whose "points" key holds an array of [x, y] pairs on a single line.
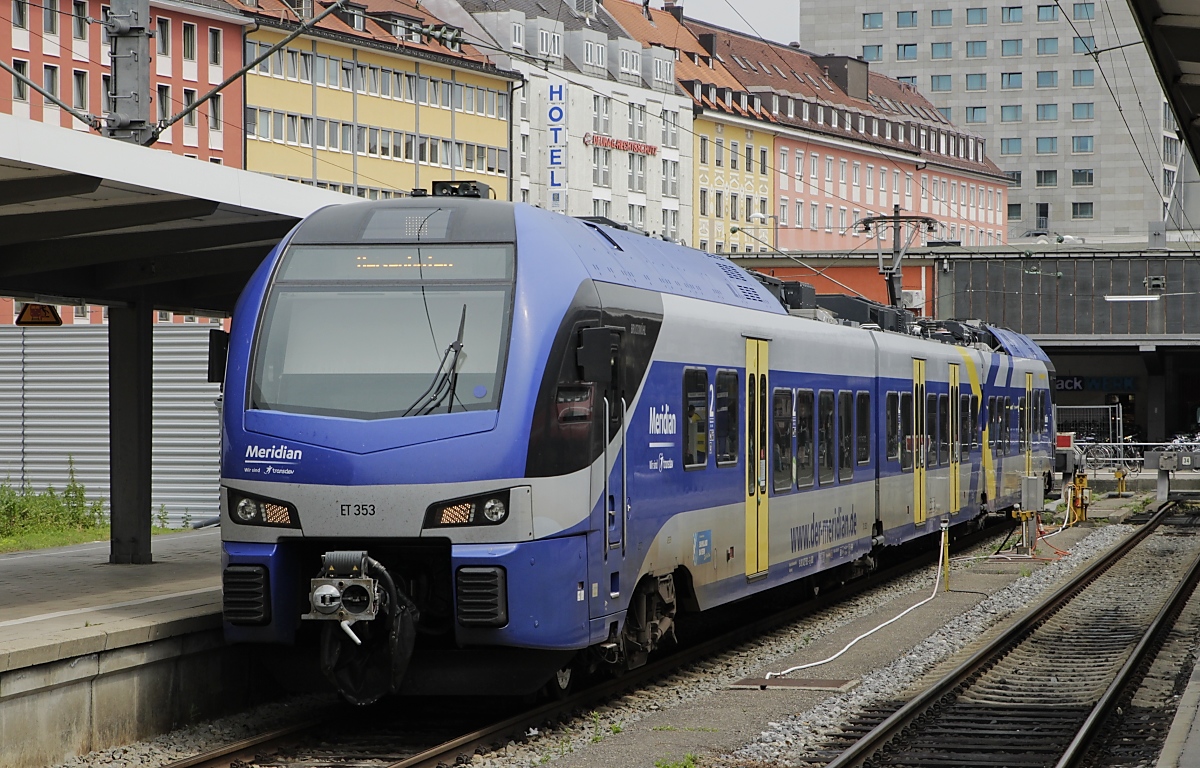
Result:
{"points": [[758, 411], [955, 414], [920, 444]]}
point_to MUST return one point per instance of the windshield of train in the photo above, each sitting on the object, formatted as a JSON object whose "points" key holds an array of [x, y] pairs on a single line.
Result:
{"points": [[372, 332]]}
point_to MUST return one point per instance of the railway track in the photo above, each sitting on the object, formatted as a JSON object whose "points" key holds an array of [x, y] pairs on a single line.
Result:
{"points": [[408, 740], [1039, 693]]}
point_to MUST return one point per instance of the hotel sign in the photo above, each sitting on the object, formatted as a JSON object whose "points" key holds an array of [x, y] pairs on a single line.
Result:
{"points": [[621, 145], [556, 158]]}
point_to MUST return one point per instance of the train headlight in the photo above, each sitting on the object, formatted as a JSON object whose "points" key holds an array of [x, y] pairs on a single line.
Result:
{"points": [[247, 511], [494, 510], [485, 509], [251, 510]]}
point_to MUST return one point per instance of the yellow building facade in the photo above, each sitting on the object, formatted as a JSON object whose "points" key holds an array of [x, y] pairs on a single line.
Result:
{"points": [[732, 159], [372, 118]]}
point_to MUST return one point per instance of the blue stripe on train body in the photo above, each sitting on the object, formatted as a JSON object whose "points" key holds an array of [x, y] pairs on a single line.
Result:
{"points": [[678, 309]]}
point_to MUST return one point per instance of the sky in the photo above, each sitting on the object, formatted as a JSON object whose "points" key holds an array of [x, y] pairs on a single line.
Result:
{"points": [[776, 20]]}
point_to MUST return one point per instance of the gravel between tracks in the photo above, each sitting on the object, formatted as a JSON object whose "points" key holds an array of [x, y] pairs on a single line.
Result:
{"points": [[783, 741]]}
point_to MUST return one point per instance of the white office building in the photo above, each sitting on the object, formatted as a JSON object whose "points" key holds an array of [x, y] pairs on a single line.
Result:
{"points": [[599, 128], [1034, 80]]}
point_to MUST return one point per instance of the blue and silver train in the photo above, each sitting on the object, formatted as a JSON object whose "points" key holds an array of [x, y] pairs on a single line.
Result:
{"points": [[472, 446]]}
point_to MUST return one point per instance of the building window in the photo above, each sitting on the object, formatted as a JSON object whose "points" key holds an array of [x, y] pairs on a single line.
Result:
{"points": [[79, 20], [942, 17], [79, 90], [719, 153], [976, 114], [189, 42], [906, 52], [1081, 210], [872, 20], [601, 167], [1084, 110], [909, 79], [189, 98], [941, 50], [1012, 14], [163, 36], [1047, 13], [872, 52], [1082, 177], [214, 48], [1084, 11], [1083, 78], [1010, 146], [1047, 178], [1012, 47], [946, 112], [977, 82], [20, 87], [976, 49], [215, 121], [1047, 79], [1010, 113], [704, 150], [601, 109], [1085, 44], [518, 36], [939, 82], [1011, 81], [1047, 145], [1082, 145], [1014, 211], [719, 204], [20, 14], [50, 17], [976, 16], [1013, 176], [906, 19], [50, 79], [1047, 112], [1047, 46]]}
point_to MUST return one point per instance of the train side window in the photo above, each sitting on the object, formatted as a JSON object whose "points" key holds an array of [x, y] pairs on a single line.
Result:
{"points": [[944, 428], [845, 436], [991, 420], [804, 438], [975, 421], [825, 438], [964, 424], [891, 416], [781, 435], [1022, 435], [931, 431], [726, 421], [1008, 411], [695, 418], [862, 415], [906, 431]]}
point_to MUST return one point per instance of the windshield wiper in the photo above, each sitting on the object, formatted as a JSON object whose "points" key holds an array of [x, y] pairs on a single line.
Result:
{"points": [[445, 379]]}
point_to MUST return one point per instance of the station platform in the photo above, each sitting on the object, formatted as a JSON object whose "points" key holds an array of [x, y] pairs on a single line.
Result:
{"points": [[94, 655]]}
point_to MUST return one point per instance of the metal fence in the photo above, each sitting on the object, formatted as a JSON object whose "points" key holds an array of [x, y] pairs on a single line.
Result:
{"points": [[1091, 423], [54, 411]]}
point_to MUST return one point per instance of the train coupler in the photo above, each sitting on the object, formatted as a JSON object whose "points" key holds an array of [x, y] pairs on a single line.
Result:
{"points": [[343, 591]]}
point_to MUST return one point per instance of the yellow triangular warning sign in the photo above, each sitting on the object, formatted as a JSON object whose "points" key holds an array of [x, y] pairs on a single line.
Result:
{"points": [[39, 314]]}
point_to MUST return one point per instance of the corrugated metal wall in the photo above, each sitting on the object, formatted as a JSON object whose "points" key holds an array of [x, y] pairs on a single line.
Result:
{"points": [[54, 409], [1052, 296]]}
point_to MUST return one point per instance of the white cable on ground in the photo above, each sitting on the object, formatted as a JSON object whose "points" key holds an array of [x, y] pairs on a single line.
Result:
{"points": [[936, 583]]}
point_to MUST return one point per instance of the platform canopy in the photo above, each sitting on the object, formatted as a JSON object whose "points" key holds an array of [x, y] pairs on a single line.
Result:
{"points": [[1171, 29], [85, 219]]}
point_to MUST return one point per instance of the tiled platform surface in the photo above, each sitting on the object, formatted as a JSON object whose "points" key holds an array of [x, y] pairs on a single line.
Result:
{"points": [[94, 655]]}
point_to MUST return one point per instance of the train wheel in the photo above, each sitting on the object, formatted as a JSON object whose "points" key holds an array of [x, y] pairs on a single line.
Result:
{"points": [[562, 683]]}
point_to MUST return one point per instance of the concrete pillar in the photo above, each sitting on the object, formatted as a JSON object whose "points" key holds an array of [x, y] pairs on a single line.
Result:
{"points": [[1156, 408], [130, 388]]}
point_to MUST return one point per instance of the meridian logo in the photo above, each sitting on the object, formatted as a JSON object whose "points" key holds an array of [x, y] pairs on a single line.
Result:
{"points": [[276, 452], [662, 422]]}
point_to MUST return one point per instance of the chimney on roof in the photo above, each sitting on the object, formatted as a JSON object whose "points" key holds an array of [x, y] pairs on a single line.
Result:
{"points": [[674, 9], [646, 9], [849, 74], [709, 41]]}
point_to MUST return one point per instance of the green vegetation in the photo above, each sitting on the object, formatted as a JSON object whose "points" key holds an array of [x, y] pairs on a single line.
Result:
{"points": [[688, 761], [30, 519]]}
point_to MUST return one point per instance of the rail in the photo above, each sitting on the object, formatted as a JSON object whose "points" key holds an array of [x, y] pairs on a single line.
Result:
{"points": [[879, 737]]}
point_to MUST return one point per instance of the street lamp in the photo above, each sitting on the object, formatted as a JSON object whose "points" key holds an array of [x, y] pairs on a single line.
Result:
{"points": [[756, 216]]}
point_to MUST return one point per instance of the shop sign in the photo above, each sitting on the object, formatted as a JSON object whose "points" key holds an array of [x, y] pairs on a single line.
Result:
{"points": [[556, 157], [1096, 384], [621, 145]]}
